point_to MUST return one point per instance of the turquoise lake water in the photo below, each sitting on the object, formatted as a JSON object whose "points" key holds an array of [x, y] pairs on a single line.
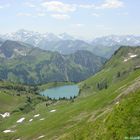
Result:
{"points": [[66, 91]]}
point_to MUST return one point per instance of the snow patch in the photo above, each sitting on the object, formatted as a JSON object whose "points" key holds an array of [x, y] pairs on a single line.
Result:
{"points": [[6, 114], [40, 137], [8, 131], [125, 60], [30, 120], [20, 120], [133, 56], [42, 119], [52, 110], [117, 103], [130, 57], [37, 115]]}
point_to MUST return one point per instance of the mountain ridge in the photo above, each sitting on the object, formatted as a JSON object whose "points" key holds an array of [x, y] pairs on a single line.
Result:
{"points": [[64, 43], [23, 63]]}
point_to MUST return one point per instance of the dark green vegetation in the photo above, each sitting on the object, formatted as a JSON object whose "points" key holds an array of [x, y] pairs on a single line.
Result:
{"points": [[18, 98], [22, 63], [106, 109], [105, 51]]}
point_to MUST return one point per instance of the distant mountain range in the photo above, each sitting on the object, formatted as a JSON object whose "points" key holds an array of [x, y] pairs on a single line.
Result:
{"points": [[34, 38], [67, 44], [117, 40], [23, 63], [106, 46]]}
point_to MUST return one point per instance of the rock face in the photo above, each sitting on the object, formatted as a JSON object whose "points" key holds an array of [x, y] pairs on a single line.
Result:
{"points": [[1, 41], [23, 63], [11, 49]]}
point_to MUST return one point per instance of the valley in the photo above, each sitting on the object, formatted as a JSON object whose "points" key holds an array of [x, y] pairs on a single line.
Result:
{"points": [[107, 106]]}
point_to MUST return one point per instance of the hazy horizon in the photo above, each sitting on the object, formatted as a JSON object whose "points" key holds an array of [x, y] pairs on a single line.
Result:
{"points": [[75, 36]]}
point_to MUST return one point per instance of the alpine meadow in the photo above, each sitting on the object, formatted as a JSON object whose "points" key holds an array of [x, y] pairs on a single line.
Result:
{"points": [[70, 70]]}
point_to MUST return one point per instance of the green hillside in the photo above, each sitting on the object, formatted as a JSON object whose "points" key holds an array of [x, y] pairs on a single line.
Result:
{"points": [[107, 107], [21, 63]]}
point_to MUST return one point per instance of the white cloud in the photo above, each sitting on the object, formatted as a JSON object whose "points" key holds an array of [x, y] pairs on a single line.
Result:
{"points": [[108, 4], [56, 6], [24, 14], [87, 6], [60, 16]]}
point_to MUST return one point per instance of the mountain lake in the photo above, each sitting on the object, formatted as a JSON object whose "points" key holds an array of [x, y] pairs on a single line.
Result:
{"points": [[66, 91]]}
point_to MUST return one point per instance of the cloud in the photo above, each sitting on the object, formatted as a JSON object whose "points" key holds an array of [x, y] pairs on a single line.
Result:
{"points": [[60, 16], [56, 6], [87, 6], [108, 4], [62, 7], [24, 14]]}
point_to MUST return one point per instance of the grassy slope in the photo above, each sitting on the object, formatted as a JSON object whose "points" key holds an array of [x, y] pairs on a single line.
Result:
{"points": [[96, 116], [39, 67]]}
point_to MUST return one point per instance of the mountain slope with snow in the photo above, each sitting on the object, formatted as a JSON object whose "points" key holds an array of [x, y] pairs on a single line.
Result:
{"points": [[34, 38], [66, 44]]}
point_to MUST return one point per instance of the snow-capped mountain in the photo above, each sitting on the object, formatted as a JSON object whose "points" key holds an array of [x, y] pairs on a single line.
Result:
{"points": [[66, 36], [112, 40], [107, 45], [66, 44], [34, 38]]}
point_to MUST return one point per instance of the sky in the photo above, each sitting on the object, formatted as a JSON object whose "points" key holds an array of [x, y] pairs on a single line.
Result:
{"points": [[83, 18]]}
